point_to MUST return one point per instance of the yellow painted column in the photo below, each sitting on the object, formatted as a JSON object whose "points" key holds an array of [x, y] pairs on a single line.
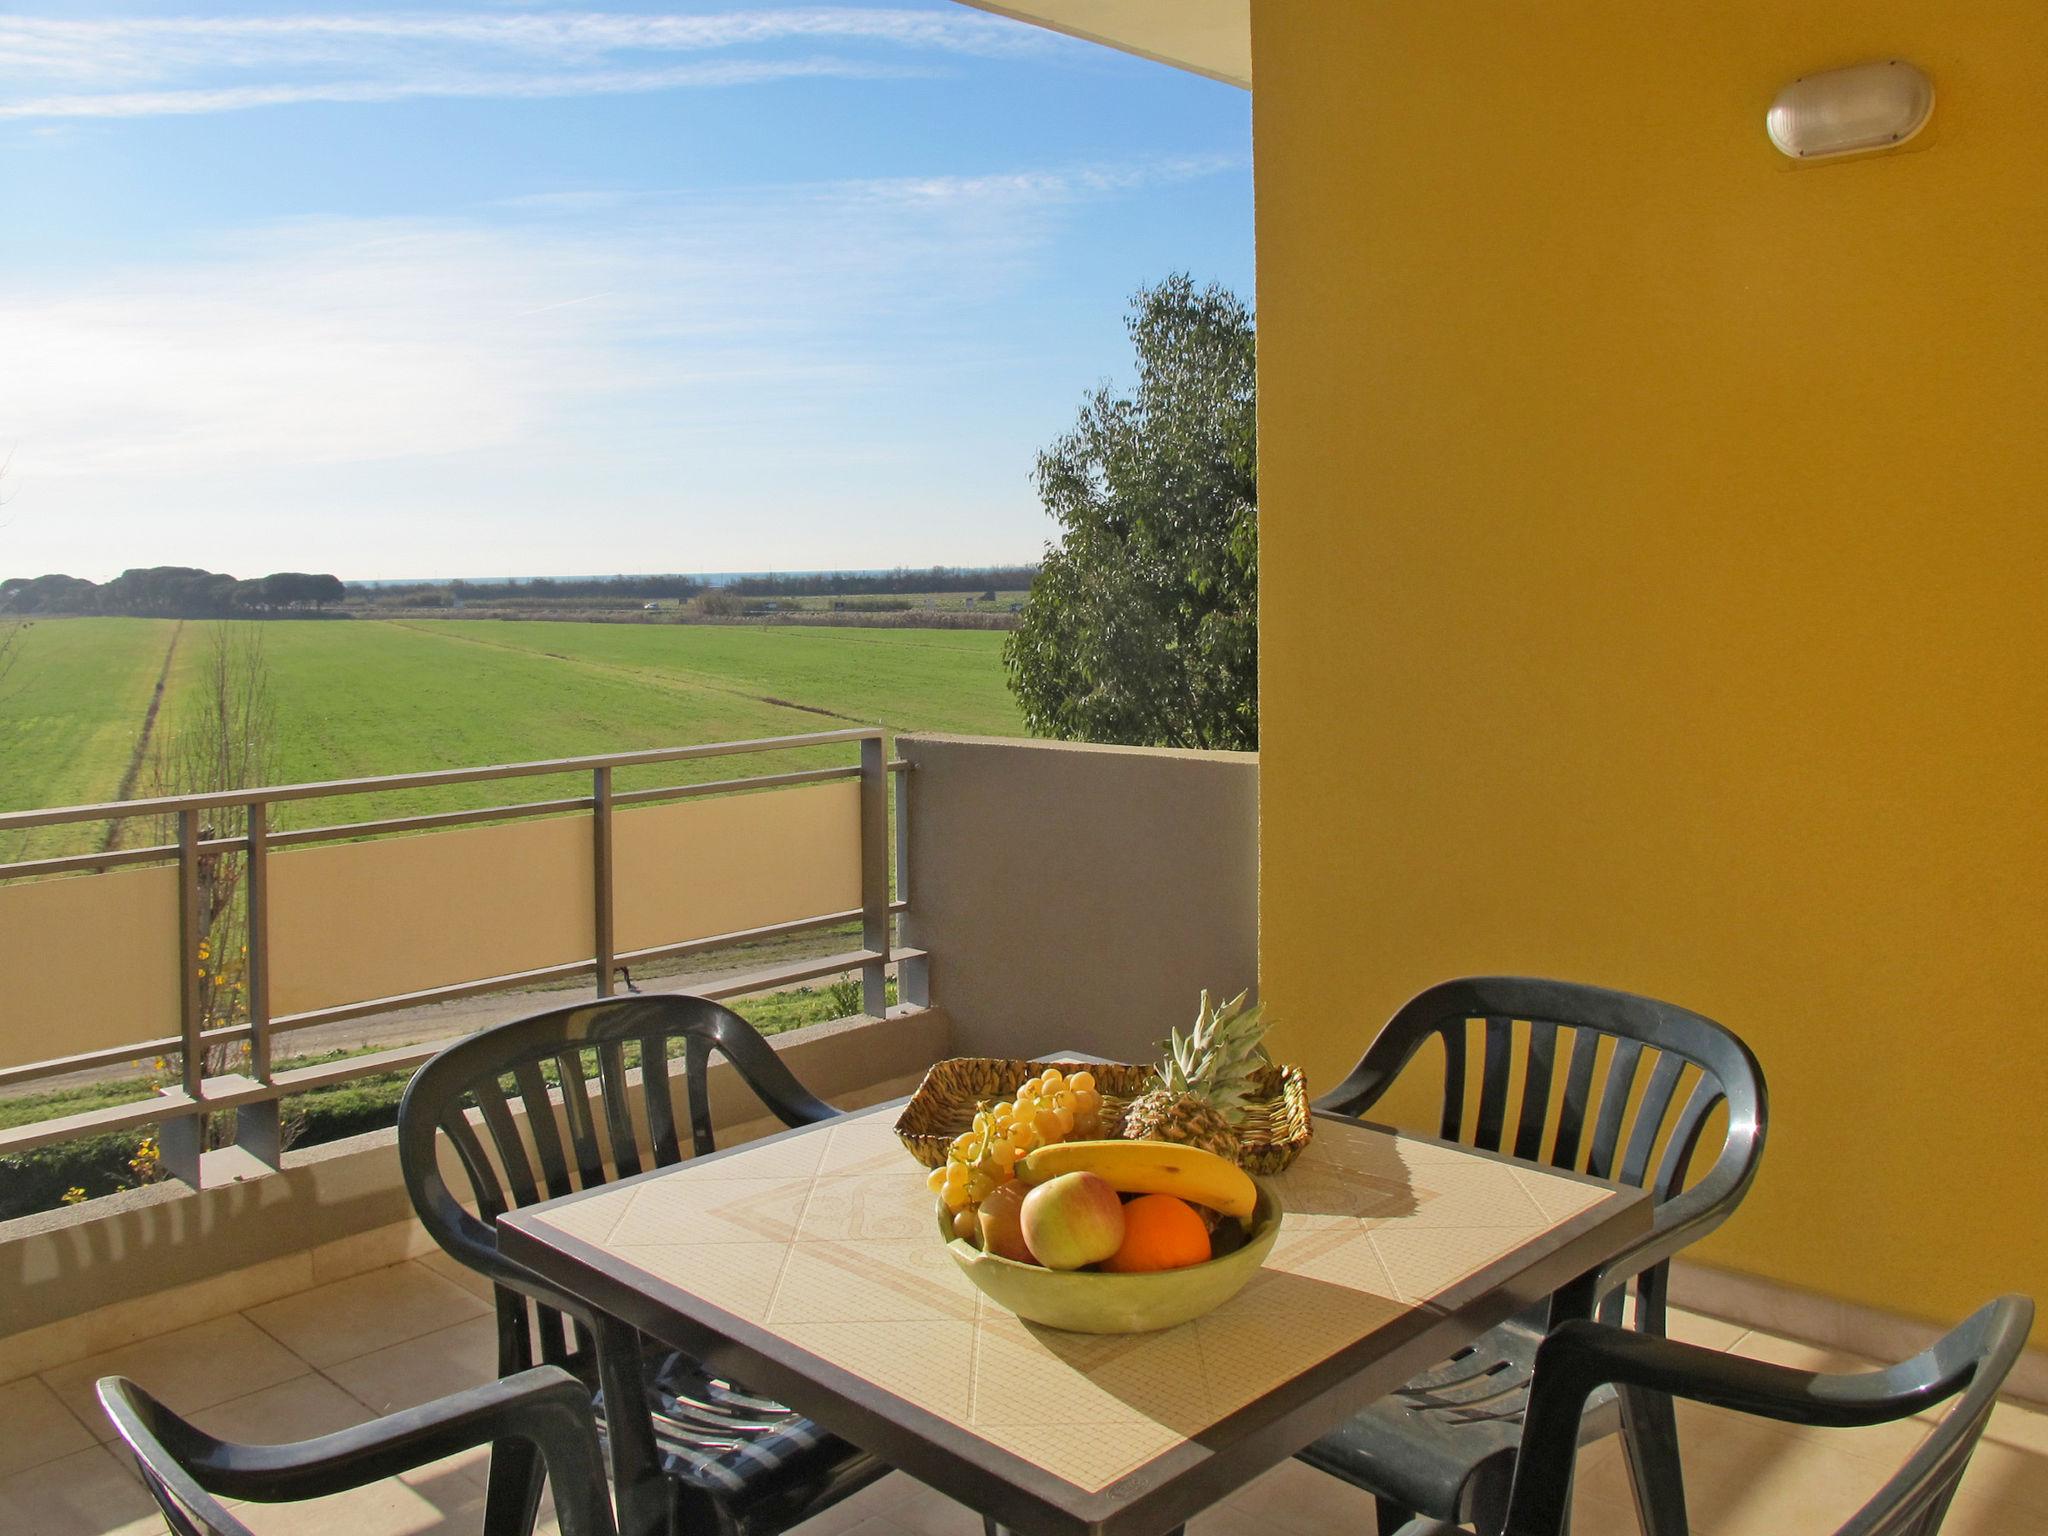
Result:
{"points": [[1653, 562]]}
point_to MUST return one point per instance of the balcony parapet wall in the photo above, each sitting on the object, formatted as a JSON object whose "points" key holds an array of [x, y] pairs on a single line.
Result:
{"points": [[238, 1240], [1079, 896]]}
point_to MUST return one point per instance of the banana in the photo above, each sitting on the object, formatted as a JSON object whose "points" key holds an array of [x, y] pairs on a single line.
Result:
{"points": [[1149, 1168]]}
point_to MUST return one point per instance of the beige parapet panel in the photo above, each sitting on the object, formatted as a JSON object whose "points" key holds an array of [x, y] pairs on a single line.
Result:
{"points": [[355, 921], [700, 867], [91, 961]]}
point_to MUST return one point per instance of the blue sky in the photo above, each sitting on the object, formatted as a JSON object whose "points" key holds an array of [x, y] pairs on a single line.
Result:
{"points": [[487, 287]]}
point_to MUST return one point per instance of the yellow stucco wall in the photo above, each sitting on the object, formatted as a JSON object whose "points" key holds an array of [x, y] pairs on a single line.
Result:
{"points": [[1653, 564]]}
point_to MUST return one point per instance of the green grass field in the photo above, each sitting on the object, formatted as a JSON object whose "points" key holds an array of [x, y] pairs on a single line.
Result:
{"points": [[361, 697]]}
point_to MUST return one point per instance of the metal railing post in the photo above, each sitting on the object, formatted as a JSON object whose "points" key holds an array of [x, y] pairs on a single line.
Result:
{"points": [[601, 879], [179, 1137], [259, 1128], [913, 972], [195, 854], [874, 875]]}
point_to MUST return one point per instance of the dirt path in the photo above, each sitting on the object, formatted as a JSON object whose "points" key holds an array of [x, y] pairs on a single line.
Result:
{"points": [[126, 790]]}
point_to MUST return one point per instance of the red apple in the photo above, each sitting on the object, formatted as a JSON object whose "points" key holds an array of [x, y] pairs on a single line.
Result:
{"points": [[1073, 1220], [1002, 1224]]}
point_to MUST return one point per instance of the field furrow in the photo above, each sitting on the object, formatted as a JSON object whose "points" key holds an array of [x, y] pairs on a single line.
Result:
{"points": [[360, 698]]}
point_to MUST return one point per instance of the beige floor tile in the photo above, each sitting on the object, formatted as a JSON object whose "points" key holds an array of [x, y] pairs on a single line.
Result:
{"points": [[435, 1501], [878, 1498], [2024, 1429], [84, 1494], [2009, 1475], [188, 1370], [36, 1427], [1798, 1354], [366, 1312], [924, 1511], [1971, 1516], [1296, 1497], [298, 1409], [375, 1249], [1228, 1519], [1698, 1328], [419, 1370], [461, 1274], [1596, 1516], [1747, 1478]]}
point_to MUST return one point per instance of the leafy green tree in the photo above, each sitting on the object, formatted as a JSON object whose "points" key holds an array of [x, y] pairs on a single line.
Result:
{"points": [[1142, 626]]}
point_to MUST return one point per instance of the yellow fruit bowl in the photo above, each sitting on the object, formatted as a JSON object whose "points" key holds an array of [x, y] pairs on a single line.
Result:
{"points": [[1090, 1301]]}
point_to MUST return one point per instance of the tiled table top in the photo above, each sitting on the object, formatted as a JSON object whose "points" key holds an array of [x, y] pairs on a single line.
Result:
{"points": [[817, 1251]]}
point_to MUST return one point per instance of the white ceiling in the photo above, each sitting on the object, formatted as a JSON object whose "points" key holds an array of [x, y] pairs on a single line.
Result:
{"points": [[1210, 37]]}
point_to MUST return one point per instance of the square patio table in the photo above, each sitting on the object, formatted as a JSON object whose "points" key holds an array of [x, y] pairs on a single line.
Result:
{"points": [[809, 1267]]}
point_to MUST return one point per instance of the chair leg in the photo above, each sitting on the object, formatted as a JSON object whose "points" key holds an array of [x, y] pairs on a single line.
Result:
{"points": [[1649, 1440], [512, 1499], [640, 1486]]}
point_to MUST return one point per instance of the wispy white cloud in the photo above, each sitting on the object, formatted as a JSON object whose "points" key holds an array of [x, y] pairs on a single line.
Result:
{"points": [[560, 325], [530, 87], [57, 67]]}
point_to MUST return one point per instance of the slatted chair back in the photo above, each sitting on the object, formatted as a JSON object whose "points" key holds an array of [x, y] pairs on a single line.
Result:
{"points": [[1587, 1079], [563, 1101], [1969, 1364]]}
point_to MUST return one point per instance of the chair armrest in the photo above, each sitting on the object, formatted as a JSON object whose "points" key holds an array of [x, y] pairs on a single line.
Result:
{"points": [[1678, 1223], [546, 1406], [1382, 1062], [1580, 1356]]}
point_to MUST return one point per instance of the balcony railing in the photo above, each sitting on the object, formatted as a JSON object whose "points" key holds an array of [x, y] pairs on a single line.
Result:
{"points": [[348, 919]]}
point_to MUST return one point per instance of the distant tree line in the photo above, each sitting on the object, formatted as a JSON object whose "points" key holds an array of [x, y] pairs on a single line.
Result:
{"points": [[681, 588], [939, 578], [171, 592]]}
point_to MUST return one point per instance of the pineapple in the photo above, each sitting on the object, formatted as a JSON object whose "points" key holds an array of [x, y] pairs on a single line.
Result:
{"points": [[1201, 1090]]}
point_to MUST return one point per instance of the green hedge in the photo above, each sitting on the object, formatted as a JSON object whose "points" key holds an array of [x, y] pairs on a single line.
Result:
{"points": [[37, 1180]]}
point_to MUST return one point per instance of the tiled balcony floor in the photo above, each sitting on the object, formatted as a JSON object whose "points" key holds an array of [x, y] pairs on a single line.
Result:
{"points": [[391, 1337]]}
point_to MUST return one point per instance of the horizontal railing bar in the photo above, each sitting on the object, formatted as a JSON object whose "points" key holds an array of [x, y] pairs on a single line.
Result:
{"points": [[58, 1066], [170, 1104], [445, 994], [899, 765], [114, 809], [737, 936], [232, 1089], [346, 829], [338, 831], [750, 982], [326, 1074], [729, 786], [89, 861], [145, 1049], [228, 1035]]}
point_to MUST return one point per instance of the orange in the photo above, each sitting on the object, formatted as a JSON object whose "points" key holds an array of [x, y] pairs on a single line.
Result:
{"points": [[1160, 1232]]}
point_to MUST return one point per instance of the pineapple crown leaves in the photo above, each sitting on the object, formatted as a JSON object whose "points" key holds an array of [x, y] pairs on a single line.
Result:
{"points": [[1216, 1060]]}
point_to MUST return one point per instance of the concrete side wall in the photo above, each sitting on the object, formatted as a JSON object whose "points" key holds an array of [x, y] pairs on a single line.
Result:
{"points": [[60, 1264], [1079, 896]]}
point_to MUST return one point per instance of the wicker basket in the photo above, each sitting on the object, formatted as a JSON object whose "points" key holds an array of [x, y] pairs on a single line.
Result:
{"points": [[945, 1103]]}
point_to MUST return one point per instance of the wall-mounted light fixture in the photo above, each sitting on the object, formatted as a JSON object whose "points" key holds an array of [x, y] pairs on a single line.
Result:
{"points": [[1851, 111]]}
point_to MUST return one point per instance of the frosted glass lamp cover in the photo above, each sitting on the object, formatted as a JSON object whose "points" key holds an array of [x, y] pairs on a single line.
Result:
{"points": [[1849, 111]]}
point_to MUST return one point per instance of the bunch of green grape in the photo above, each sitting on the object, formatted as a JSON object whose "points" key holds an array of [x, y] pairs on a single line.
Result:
{"points": [[1051, 1107]]}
